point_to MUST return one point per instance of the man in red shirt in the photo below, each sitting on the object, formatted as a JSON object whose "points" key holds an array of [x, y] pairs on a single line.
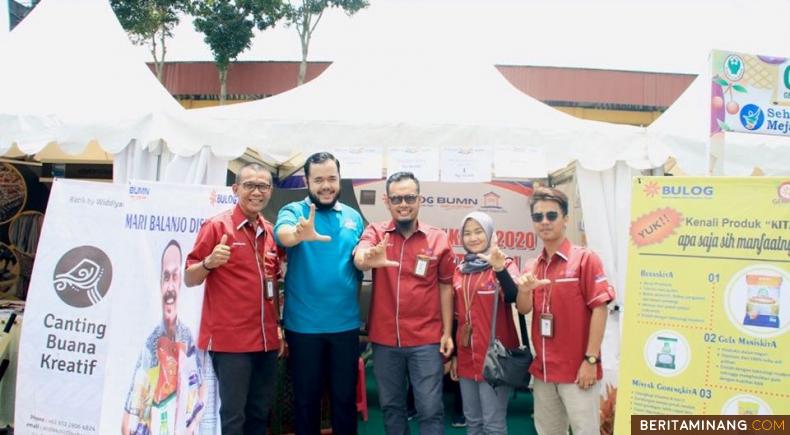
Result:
{"points": [[236, 256], [568, 322], [411, 308]]}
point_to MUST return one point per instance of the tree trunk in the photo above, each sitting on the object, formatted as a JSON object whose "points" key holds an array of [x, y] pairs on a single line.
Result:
{"points": [[304, 37], [160, 65], [223, 85], [159, 62], [303, 63], [302, 70]]}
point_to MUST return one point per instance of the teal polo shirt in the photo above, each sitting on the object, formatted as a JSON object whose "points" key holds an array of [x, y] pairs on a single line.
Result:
{"points": [[321, 282]]}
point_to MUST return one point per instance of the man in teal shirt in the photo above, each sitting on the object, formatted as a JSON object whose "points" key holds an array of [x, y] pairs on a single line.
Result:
{"points": [[321, 317]]}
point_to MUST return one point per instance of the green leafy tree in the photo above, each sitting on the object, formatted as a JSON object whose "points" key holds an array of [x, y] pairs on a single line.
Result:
{"points": [[305, 15], [228, 28], [150, 22]]}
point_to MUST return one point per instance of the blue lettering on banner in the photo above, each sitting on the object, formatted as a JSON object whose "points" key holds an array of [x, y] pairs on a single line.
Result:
{"points": [[783, 127], [226, 199], [137, 190], [687, 191], [778, 120], [779, 113], [195, 224], [168, 224], [135, 221], [161, 223]]}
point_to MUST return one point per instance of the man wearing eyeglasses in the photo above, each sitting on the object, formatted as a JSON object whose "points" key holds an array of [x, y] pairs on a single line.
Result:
{"points": [[411, 307], [236, 256], [321, 316], [568, 322]]}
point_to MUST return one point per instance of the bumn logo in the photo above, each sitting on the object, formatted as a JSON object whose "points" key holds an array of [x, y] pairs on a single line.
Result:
{"points": [[491, 200], [83, 276]]}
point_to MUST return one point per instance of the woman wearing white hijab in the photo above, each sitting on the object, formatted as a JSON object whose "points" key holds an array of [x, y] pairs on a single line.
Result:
{"points": [[475, 281]]}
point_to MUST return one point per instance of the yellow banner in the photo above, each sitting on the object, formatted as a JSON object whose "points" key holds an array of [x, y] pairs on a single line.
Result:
{"points": [[707, 309]]}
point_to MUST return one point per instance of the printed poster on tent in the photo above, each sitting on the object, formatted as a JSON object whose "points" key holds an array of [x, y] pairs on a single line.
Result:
{"points": [[108, 343], [444, 205], [707, 313], [750, 93]]}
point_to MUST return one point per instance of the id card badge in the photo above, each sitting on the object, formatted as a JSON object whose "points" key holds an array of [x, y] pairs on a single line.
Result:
{"points": [[546, 325], [269, 289], [421, 266]]}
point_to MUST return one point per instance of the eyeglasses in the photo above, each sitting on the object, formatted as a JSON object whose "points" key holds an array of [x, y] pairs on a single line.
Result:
{"points": [[397, 199], [551, 216], [249, 186]]}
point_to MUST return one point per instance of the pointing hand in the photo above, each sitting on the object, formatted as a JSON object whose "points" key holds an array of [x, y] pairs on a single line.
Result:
{"points": [[376, 256], [305, 229]]}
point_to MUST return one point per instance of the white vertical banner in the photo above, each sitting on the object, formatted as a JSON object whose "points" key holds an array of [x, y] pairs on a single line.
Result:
{"points": [[466, 164], [109, 333], [423, 162]]}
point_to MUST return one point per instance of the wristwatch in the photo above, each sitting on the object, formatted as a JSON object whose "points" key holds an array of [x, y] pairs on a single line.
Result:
{"points": [[592, 359]]}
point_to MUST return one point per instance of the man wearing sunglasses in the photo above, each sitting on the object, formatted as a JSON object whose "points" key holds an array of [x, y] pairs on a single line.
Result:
{"points": [[321, 316], [568, 322], [235, 255], [411, 307]]}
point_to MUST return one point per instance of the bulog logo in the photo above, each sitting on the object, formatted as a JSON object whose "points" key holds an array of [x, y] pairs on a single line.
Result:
{"points": [[83, 276]]}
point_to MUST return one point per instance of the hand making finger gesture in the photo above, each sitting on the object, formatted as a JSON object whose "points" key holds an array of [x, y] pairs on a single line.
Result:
{"points": [[495, 256], [305, 229], [376, 256], [527, 282]]}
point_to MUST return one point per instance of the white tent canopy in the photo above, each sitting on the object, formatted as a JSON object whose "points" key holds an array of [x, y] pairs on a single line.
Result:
{"points": [[71, 87], [414, 98], [73, 77]]}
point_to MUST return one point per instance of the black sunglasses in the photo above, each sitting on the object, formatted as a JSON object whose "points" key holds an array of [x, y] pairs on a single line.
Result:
{"points": [[397, 199], [551, 216]]}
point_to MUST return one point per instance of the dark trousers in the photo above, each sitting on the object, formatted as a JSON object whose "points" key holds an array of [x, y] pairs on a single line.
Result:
{"points": [[448, 386], [422, 366], [246, 390], [316, 360]]}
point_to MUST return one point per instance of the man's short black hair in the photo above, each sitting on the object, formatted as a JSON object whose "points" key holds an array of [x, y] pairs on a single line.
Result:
{"points": [[549, 194], [256, 167], [172, 242], [317, 159], [400, 176]]}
